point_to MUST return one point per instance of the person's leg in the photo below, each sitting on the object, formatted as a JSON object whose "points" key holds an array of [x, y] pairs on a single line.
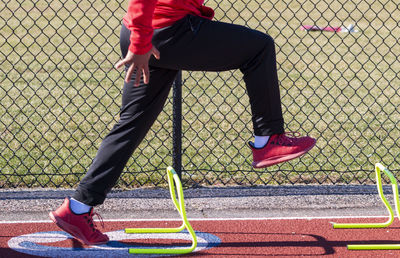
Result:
{"points": [[140, 107], [206, 45]]}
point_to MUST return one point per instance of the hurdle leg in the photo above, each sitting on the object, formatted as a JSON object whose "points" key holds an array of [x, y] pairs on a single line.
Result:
{"points": [[378, 171], [173, 179], [379, 168]]}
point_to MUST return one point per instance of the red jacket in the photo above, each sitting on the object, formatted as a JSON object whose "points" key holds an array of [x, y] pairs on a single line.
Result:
{"points": [[145, 15]]}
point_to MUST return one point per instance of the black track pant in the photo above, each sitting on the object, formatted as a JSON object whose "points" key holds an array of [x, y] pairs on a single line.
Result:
{"points": [[193, 44]]}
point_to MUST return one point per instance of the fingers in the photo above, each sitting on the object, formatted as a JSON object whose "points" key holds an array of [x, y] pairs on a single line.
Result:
{"points": [[138, 64], [131, 69], [127, 60], [156, 53], [146, 74], [129, 73], [138, 77], [138, 74], [120, 63]]}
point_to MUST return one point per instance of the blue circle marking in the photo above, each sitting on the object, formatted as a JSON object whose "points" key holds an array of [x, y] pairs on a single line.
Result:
{"points": [[31, 243]]}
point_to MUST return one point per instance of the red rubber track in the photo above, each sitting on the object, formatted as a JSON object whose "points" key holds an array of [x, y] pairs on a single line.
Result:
{"points": [[245, 238]]}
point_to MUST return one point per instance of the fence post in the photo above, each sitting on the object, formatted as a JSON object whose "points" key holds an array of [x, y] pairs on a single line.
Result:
{"points": [[177, 124]]}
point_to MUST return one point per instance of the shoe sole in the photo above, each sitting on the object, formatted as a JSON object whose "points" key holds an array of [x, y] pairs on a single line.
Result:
{"points": [[72, 230], [279, 159]]}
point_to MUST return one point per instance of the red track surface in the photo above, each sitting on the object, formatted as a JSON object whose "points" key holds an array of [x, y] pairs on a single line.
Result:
{"points": [[239, 238]]}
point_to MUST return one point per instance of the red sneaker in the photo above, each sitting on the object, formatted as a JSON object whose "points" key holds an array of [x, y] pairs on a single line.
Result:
{"points": [[281, 148], [81, 226]]}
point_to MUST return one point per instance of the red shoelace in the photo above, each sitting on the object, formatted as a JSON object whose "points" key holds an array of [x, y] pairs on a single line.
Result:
{"points": [[91, 222], [287, 138]]}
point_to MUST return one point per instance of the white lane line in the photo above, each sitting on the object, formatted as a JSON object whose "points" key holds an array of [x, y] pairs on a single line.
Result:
{"points": [[208, 219]]}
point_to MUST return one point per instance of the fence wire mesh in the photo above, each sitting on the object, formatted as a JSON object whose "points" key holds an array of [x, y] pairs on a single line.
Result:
{"points": [[60, 95]]}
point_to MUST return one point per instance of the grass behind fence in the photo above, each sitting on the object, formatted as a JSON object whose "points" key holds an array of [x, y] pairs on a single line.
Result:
{"points": [[60, 95]]}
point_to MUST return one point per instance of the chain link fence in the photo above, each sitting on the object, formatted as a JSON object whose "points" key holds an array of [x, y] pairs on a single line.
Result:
{"points": [[60, 95]]}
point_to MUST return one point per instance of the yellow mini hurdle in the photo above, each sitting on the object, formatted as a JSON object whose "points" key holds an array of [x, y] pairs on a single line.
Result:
{"points": [[175, 185], [379, 168]]}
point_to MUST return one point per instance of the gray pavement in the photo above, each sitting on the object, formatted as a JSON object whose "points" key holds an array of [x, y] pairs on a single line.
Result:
{"points": [[208, 202]]}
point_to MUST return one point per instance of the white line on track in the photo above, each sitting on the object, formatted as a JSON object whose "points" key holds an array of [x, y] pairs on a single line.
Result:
{"points": [[207, 219]]}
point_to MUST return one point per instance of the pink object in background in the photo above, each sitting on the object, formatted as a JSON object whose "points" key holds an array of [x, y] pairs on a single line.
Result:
{"points": [[349, 29]]}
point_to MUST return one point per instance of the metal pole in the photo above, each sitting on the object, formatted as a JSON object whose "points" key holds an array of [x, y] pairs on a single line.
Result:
{"points": [[177, 124]]}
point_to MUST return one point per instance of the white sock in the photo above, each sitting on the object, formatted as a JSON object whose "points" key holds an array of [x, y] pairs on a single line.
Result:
{"points": [[260, 141], [79, 207]]}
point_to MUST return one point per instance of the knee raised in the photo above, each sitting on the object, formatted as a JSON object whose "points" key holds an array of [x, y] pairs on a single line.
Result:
{"points": [[268, 40]]}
